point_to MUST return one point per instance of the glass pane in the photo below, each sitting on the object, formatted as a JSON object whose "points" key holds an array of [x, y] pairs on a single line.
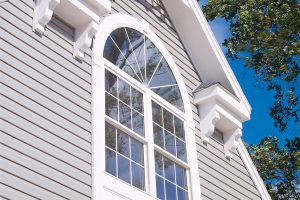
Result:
{"points": [[137, 176], [163, 75], [181, 151], [170, 143], [111, 106], [160, 188], [138, 123], [111, 52], [158, 135], [180, 176], [170, 94], [153, 56], [123, 143], [111, 83], [125, 115], [110, 136], [169, 169], [137, 151], [159, 164], [137, 100], [181, 194], [123, 168], [156, 113], [170, 191], [179, 128], [124, 91], [120, 38], [110, 161], [168, 121]]}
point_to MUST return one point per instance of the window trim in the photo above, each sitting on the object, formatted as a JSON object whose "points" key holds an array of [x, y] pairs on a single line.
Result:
{"points": [[100, 180]]}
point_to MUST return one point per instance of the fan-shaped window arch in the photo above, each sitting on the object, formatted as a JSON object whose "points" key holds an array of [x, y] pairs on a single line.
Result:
{"points": [[135, 54]]}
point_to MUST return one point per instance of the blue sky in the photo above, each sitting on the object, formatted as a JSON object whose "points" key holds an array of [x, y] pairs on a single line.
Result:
{"points": [[261, 124]]}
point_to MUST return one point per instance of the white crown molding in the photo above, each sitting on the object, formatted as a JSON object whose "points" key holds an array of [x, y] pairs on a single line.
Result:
{"points": [[219, 109], [82, 15], [43, 12]]}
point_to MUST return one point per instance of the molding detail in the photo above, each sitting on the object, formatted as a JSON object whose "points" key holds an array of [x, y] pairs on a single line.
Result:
{"points": [[83, 39], [43, 11], [218, 108], [231, 139]]}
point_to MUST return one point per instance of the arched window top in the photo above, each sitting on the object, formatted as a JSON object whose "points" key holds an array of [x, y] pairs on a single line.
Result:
{"points": [[136, 55]]}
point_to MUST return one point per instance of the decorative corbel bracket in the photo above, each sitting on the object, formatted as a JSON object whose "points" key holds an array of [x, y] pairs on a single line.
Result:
{"points": [[43, 11], [218, 109], [231, 139], [83, 39]]}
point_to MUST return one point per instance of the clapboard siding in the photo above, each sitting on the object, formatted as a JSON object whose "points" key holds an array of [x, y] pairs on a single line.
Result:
{"points": [[45, 146]]}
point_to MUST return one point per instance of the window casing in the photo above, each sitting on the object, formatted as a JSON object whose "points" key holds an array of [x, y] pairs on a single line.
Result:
{"points": [[112, 184]]}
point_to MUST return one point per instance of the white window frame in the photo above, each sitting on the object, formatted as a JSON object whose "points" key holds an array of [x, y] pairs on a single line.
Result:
{"points": [[106, 186]]}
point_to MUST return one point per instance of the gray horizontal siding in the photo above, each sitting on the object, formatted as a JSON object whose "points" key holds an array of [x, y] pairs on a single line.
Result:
{"points": [[45, 131]]}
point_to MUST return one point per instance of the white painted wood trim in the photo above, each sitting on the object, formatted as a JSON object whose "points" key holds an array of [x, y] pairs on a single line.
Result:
{"points": [[253, 171]]}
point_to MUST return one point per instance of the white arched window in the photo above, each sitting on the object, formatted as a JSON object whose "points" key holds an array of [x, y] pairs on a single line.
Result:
{"points": [[143, 133]]}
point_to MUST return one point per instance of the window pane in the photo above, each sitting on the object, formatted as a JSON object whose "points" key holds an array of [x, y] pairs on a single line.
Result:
{"points": [[179, 128], [111, 83], [137, 176], [153, 56], [110, 136], [159, 169], [111, 106], [125, 115], [158, 135], [168, 121], [124, 91], [170, 143], [137, 100], [181, 150], [123, 143], [110, 161], [180, 176], [181, 194], [170, 191], [163, 75], [138, 123], [137, 152], [123, 168], [169, 169], [160, 188], [111, 52], [156, 113]]}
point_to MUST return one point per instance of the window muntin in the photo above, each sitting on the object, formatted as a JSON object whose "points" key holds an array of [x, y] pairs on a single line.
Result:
{"points": [[135, 54], [124, 156]]}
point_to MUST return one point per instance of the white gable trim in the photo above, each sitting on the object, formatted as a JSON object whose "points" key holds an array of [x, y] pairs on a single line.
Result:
{"points": [[253, 171]]}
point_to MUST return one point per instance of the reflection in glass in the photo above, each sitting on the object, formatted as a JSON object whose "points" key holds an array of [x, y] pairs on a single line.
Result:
{"points": [[111, 83], [179, 128], [168, 121], [158, 135], [156, 113], [124, 168], [123, 143], [159, 164], [110, 136], [153, 57], [180, 176], [170, 143], [160, 188], [137, 176], [111, 106], [110, 161], [169, 169], [181, 194], [137, 100], [125, 115], [111, 52], [124, 91], [137, 152], [170, 191], [181, 150], [138, 123]]}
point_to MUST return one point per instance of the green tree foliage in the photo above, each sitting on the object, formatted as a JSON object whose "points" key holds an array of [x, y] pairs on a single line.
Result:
{"points": [[266, 34], [278, 166]]}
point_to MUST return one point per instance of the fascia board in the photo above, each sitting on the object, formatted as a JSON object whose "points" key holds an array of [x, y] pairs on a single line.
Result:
{"points": [[202, 46]]}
